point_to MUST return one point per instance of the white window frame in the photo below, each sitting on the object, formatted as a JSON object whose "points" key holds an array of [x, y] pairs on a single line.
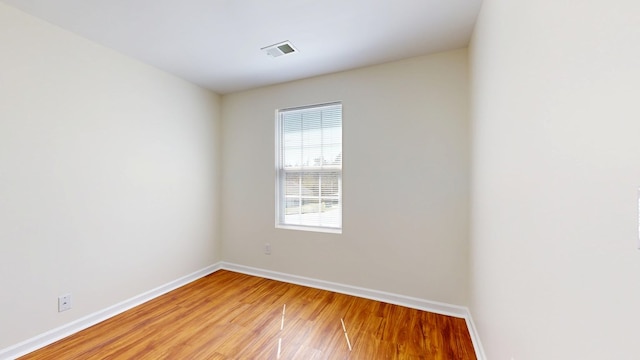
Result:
{"points": [[281, 172]]}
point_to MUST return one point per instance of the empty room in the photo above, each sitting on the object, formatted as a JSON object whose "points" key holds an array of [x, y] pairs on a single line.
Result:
{"points": [[412, 179]]}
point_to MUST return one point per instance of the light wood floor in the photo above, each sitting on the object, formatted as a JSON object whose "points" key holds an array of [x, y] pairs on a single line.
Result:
{"points": [[227, 315]]}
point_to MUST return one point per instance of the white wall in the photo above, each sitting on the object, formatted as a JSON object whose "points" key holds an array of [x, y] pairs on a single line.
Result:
{"points": [[108, 176], [406, 169], [556, 170]]}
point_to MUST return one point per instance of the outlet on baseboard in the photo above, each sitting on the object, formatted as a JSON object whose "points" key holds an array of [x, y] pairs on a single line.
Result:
{"points": [[64, 302], [267, 249]]}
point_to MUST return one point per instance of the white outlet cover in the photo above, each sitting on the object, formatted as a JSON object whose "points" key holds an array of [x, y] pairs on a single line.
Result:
{"points": [[64, 302]]}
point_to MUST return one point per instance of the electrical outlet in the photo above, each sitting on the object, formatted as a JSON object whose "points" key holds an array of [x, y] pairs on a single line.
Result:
{"points": [[64, 302], [267, 249]]}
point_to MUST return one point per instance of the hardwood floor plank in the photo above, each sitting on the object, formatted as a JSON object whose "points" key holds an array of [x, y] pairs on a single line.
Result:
{"points": [[228, 315]]}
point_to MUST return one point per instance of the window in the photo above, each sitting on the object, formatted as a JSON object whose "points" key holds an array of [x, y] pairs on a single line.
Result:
{"points": [[309, 168]]}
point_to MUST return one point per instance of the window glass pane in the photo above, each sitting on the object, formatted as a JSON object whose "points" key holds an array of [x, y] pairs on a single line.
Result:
{"points": [[312, 156], [312, 129], [330, 184], [292, 157], [310, 184], [309, 165], [292, 206], [292, 184], [330, 216]]}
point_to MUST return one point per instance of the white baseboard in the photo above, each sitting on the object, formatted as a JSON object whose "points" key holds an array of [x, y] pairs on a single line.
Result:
{"points": [[415, 303], [73, 327], [411, 302], [475, 337], [54, 335]]}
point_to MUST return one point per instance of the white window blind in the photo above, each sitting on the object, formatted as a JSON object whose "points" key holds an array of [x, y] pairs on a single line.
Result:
{"points": [[309, 168]]}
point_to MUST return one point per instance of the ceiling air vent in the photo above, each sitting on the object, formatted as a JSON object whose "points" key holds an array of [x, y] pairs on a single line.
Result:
{"points": [[283, 48]]}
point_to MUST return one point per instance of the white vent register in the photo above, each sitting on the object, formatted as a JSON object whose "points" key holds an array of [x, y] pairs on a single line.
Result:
{"points": [[279, 49]]}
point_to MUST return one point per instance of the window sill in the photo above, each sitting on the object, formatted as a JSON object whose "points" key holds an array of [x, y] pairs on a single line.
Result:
{"points": [[310, 228]]}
